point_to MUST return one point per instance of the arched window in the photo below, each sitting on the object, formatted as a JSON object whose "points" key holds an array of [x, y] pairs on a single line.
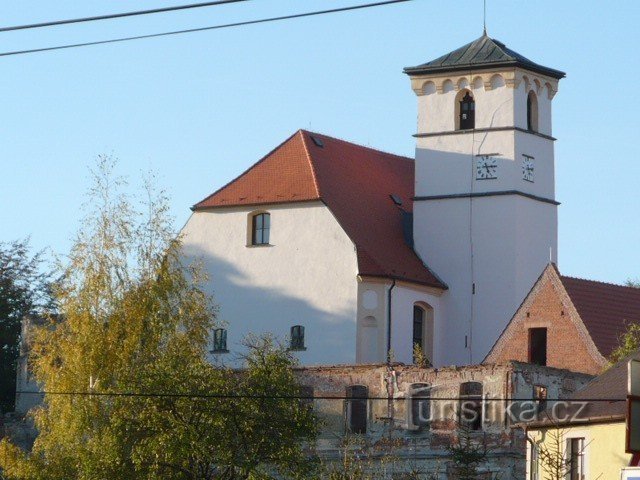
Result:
{"points": [[356, 409], [422, 334], [219, 341], [467, 113], [418, 330], [532, 112], [260, 226], [297, 338]]}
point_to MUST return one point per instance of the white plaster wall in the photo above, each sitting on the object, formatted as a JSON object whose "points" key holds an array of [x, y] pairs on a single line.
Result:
{"points": [[372, 304], [307, 276], [494, 107], [403, 298]]}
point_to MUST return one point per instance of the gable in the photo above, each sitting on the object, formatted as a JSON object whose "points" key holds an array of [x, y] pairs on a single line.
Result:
{"points": [[569, 344]]}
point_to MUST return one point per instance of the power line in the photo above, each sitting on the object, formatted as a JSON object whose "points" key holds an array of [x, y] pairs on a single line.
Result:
{"points": [[117, 15], [202, 29]]}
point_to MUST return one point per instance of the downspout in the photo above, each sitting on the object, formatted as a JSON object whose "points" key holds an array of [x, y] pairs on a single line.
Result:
{"points": [[393, 284]]}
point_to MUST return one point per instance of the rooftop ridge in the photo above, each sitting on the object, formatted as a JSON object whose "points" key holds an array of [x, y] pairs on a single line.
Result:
{"points": [[568, 277], [358, 145]]}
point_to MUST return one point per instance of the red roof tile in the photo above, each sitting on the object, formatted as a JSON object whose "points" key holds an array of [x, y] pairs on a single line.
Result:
{"points": [[604, 308], [355, 182]]}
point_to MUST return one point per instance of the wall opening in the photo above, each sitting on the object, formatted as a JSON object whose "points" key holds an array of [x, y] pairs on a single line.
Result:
{"points": [[532, 112], [465, 110], [356, 409], [538, 346]]}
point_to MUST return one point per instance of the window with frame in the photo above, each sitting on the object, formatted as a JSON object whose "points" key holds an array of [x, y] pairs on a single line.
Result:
{"points": [[356, 409], [470, 408], [575, 458], [219, 341], [297, 338], [420, 406], [260, 229], [467, 120]]}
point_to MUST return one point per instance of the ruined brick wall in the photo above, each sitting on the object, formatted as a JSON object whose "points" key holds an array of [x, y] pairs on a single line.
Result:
{"points": [[390, 431], [568, 344]]}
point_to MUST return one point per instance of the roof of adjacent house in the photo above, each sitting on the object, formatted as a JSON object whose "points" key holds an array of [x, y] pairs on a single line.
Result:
{"points": [[484, 52], [356, 184], [605, 309], [602, 399]]}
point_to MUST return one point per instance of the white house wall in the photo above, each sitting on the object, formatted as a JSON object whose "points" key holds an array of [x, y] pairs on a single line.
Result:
{"points": [[307, 276]]}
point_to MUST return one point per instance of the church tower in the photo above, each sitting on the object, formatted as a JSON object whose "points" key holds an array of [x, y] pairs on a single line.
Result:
{"points": [[485, 214]]}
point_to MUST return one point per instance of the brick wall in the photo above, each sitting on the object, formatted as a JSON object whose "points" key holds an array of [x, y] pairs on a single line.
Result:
{"points": [[568, 343]]}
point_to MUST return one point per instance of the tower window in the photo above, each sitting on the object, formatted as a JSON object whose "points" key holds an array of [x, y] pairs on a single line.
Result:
{"points": [[297, 338], [219, 341], [356, 409], [467, 119], [532, 112], [538, 346], [260, 224]]}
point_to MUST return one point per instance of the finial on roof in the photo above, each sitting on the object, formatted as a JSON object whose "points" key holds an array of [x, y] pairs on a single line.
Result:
{"points": [[484, 19]]}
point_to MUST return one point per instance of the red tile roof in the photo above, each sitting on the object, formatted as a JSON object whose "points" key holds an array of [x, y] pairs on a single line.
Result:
{"points": [[355, 182], [604, 308]]}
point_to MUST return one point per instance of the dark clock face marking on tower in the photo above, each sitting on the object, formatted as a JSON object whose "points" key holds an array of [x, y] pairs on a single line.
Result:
{"points": [[486, 168], [527, 168]]}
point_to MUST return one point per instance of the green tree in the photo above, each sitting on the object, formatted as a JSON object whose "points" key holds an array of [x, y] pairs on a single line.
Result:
{"points": [[23, 291], [628, 343], [635, 283], [129, 392]]}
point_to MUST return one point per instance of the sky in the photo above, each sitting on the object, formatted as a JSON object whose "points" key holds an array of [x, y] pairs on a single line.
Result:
{"points": [[199, 109]]}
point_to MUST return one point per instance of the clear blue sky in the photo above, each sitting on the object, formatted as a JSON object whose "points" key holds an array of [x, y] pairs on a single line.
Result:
{"points": [[200, 108]]}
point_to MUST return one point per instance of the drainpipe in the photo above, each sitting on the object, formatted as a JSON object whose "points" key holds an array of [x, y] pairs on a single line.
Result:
{"points": [[389, 320]]}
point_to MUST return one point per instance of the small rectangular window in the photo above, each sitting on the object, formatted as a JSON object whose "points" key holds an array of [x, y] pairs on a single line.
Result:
{"points": [[261, 224], [538, 346], [219, 341], [297, 338], [470, 409], [356, 411]]}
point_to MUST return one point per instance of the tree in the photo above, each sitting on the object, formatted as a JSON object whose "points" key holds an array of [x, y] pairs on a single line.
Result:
{"points": [[628, 343], [129, 392], [23, 291], [635, 283]]}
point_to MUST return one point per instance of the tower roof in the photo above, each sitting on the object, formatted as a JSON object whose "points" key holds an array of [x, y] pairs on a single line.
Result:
{"points": [[485, 52]]}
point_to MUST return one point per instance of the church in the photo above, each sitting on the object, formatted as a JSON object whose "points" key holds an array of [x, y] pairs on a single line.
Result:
{"points": [[356, 256]]}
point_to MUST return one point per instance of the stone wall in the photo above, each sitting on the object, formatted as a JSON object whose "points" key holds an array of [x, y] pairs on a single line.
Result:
{"points": [[392, 438]]}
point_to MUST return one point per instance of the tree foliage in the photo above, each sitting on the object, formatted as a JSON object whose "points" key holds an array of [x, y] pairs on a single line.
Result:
{"points": [[23, 292], [628, 343], [129, 392]]}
